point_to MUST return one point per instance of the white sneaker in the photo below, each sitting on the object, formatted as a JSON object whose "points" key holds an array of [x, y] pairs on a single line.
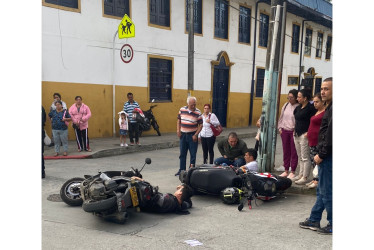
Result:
{"points": [[126, 145], [280, 169], [121, 144]]}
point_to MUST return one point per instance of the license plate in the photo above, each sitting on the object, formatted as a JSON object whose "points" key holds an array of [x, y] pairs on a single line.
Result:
{"points": [[134, 196]]}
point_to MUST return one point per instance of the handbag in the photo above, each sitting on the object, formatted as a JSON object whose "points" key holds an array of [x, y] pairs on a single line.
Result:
{"points": [[315, 172], [75, 126], [217, 130], [66, 122]]}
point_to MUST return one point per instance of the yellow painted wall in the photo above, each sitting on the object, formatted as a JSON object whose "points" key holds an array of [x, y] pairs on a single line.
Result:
{"points": [[99, 98], [238, 110]]}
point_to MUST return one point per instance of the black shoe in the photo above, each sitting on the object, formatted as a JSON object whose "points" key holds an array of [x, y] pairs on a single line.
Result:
{"points": [[307, 224], [178, 173], [325, 230]]}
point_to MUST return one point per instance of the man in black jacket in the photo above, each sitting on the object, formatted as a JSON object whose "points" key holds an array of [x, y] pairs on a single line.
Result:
{"points": [[324, 161]]}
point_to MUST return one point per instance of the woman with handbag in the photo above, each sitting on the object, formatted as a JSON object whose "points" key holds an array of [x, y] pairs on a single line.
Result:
{"points": [[80, 113], [206, 134], [60, 120], [312, 134]]}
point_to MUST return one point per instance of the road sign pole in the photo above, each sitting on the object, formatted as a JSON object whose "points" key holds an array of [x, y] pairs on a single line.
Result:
{"points": [[114, 85]]}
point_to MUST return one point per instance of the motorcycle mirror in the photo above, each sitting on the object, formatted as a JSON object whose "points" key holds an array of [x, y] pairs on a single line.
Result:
{"points": [[148, 160]]}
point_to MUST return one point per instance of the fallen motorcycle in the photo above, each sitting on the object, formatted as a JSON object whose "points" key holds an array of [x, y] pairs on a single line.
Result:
{"points": [[109, 193], [233, 185]]}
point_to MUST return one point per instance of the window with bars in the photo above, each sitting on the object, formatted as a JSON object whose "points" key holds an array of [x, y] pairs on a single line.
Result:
{"points": [[260, 82], [117, 7], [221, 27], [160, 79], [293, 80], [244, 24], [328, 47], [197, 16], [317, 85], [65, 3], [264, 29], [159, 12], [295, 38], [308, 42], [319, 45]]}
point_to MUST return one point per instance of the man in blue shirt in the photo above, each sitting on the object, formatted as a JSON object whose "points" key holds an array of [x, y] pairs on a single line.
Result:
{"points": [[129, 107]]}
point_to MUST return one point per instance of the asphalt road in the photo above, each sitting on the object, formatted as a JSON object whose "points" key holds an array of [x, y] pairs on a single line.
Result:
{"points": [[270, 225]]}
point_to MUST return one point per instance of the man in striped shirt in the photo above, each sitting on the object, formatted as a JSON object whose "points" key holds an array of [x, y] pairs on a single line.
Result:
{"points": [[129, 107], [189, 125]]}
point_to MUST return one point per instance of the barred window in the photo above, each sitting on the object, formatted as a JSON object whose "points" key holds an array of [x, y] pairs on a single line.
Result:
{"points": [[264, 29], [244, 25], [221, 19], [260, 82], [160, 79], [159, 12], [74, 4], [328, 47], [293, 80], [197, 16], [117, 7], [295, 38], [319, 45], [308, 42]]}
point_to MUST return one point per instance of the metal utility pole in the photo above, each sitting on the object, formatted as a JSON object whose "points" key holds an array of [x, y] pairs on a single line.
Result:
{"points": [[270, 95], [190, 46]]}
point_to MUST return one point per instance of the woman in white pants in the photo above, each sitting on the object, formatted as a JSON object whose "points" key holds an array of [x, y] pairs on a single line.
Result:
{"points": [[302, 114]]}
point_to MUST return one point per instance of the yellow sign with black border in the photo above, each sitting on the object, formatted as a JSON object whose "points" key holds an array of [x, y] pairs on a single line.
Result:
{"points": [[126, 28]]}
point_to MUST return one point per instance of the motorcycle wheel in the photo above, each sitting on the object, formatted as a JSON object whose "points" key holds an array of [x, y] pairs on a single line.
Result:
{"points": [[156, 127], [99, 206], [70, 192]]}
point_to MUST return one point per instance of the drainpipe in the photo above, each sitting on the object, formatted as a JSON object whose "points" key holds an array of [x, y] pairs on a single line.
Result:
{"points": [[114, 86], [253, 65], [301, 52]]}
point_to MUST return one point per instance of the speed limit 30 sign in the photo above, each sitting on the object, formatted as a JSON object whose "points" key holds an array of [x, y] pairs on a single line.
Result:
{"points": [[127, 53]]}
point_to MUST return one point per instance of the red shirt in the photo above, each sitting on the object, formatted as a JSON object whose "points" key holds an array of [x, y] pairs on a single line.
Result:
{"points": [[313, 130]]}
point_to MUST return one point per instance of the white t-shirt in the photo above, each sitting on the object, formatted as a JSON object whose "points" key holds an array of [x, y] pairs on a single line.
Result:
{"points": [[252, 166]]}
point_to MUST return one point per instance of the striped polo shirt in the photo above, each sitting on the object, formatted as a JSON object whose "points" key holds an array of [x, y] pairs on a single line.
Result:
{"points": [[189, 120], [129, 108]]}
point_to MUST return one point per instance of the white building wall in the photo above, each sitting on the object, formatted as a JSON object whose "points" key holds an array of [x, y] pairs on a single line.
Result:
{"points": [[77, 47]]}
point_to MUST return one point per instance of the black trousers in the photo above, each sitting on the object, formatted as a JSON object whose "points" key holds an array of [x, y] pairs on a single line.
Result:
{"points": [[134, 132], [207, 144], [82, 139], [43, 167]]}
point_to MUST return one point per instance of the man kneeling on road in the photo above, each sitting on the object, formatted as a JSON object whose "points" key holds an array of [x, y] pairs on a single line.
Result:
{"points": [[232, 151]]}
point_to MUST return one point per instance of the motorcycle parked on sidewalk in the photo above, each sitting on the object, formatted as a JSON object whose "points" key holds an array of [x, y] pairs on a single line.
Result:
{"points": [[147, 120], [109, 194], [233, 185]]}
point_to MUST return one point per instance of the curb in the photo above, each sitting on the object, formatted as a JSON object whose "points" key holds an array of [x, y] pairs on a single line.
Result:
{"points": [[301, 190], [133, 149]]}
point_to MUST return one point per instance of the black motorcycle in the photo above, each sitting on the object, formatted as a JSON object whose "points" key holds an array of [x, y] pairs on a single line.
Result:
{"points": [[109, 193], [233, 185], [147, 121]]}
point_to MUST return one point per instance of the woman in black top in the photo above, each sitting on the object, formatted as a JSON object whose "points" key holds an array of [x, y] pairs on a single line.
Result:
{"points": [[302, 114]]}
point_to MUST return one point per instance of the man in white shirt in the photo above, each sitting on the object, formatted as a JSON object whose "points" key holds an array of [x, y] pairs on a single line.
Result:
{"points": [[250, 159]]}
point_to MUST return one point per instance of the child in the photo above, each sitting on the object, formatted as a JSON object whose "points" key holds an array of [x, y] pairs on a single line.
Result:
{"points": [[123, 127], [250, 158]]}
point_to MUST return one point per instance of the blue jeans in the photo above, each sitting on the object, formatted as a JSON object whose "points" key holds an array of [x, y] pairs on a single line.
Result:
{"points": [[186, 144], [324, 192], [237, 163]]}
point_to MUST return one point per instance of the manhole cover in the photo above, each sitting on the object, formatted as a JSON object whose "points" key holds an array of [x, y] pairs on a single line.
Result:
{"points": [[54, 197]]}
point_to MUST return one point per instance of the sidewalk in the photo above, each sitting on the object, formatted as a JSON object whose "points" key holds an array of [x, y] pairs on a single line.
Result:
{"points": [[104, 147]]}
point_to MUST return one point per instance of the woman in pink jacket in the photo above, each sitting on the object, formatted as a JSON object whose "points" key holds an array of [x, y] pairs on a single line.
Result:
{"points": [[80, 113]]}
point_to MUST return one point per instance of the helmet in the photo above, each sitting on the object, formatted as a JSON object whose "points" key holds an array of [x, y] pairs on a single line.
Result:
{"points": [[231, 195]]}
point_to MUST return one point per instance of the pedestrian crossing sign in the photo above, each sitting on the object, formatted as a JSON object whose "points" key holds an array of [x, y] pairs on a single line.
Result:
{"points": [[126, 28]]}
